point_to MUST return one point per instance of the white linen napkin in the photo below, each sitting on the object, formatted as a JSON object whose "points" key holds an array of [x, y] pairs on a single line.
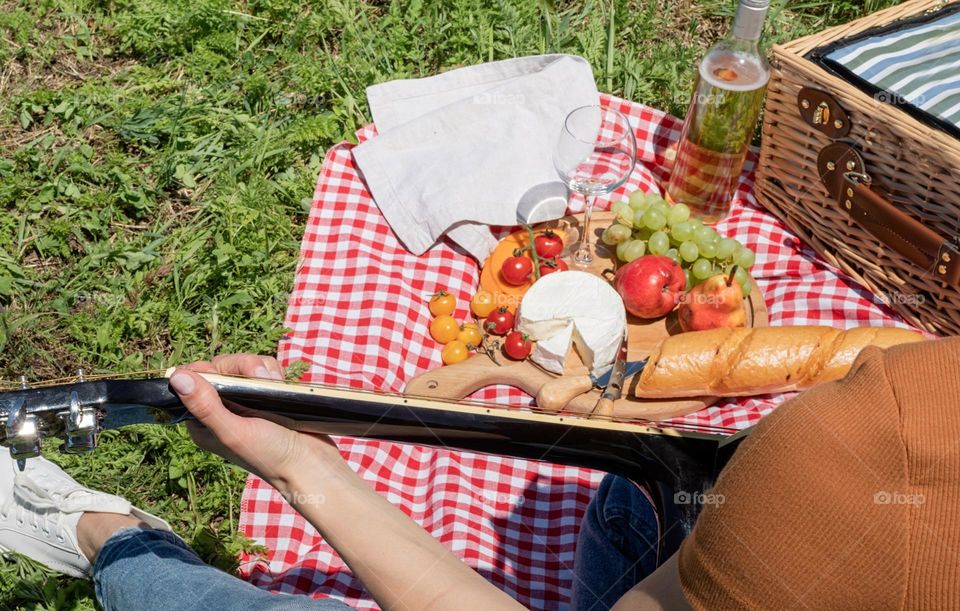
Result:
{"points": [[456, 152]]}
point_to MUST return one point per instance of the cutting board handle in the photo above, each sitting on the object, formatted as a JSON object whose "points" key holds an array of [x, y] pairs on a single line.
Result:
{"points": [[455, 382], [465, 378], [556, 394]]}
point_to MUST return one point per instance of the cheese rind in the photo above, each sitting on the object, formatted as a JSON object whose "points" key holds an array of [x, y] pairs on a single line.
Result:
{"points": [[575, 308]]}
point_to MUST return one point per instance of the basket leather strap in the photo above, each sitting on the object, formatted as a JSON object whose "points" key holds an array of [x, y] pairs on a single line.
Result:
{"points": [[898, 230]]}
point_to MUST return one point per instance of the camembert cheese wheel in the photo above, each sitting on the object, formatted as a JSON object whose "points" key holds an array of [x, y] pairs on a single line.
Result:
{"points": [[573, 308]]}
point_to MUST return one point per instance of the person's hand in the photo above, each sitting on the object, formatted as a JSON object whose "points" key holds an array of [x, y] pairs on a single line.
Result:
{"points": [[310, 473], [258, 442]]}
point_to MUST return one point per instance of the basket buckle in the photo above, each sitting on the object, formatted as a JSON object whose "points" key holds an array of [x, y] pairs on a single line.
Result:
{"points": [[858, 177], [833, 161], [822, 115], [820, 110]]}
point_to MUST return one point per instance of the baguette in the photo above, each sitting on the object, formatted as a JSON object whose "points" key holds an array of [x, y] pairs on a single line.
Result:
{"points": [[741, 362]]}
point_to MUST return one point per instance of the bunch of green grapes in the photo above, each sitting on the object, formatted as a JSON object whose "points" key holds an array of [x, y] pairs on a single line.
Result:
{"points": [[647, 224]]}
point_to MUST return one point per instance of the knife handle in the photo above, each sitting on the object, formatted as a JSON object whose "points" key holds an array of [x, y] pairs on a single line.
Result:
{"points": [[555, 394], [604, 408]]}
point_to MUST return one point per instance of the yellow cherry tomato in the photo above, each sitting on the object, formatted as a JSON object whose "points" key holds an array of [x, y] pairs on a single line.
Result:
{"points": [[442, 303], [454, 352], [470, 335], [482, 303], [444, 328]]}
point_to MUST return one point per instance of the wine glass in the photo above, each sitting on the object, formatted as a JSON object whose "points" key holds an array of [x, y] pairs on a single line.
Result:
{"points": [[595, 154]]}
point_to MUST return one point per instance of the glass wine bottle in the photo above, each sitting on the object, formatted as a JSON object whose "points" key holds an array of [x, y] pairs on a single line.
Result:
{"points": [[721, 117]]}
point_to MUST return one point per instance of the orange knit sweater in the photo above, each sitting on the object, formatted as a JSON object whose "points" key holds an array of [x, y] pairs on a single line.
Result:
{"points": [[846, 497]]}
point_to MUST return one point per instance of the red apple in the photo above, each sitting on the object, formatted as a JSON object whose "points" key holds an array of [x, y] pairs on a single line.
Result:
{"points": [[651, 286]]}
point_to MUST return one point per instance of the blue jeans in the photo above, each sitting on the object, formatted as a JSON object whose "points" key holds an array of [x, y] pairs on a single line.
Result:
{"points": [[154, 570], [617, 546]]}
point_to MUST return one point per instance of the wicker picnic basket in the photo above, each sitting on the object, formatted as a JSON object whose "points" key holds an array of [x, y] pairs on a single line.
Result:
{"points": [[869, 185]]}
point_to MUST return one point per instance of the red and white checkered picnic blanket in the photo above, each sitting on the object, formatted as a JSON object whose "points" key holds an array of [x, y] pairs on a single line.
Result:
{"points": [[358, 314]]}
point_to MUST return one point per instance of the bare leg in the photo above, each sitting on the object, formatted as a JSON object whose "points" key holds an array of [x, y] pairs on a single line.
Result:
{"points": [[94, 529]]}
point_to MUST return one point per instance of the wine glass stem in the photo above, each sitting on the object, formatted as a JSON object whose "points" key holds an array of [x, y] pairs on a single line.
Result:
{"points": [[584, 255]]}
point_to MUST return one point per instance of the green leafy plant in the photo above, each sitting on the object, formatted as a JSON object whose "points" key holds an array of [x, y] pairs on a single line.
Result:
{"points": [[157, 159]]}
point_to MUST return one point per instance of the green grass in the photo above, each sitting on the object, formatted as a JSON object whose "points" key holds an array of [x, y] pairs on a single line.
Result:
{"points": [[157, 159]]}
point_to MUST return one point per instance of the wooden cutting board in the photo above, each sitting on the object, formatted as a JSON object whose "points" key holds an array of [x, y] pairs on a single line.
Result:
{"points": [[463, 379]]}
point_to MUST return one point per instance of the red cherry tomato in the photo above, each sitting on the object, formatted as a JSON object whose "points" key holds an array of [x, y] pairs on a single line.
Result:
{"points": [[516, 270], [559, 266], [517, 346], [499, 322], [548, 245]]}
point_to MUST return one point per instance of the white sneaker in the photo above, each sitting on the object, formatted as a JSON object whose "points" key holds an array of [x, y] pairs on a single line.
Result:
{"points": [[40, 508]]}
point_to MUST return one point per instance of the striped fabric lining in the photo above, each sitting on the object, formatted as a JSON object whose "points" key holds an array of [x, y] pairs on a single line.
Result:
{"points": [[919, 65]]}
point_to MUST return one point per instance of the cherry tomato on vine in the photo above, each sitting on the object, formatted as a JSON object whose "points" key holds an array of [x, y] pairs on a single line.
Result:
{"points": [[444, 328], [548, 245], [558, 265], [516, 270], [454, 352], [482, 303], [470, 335], [499, 322], [442, 303], [517, 346]]}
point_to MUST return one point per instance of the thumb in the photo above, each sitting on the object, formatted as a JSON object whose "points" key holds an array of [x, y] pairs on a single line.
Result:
{"points": [[202, 400]]}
